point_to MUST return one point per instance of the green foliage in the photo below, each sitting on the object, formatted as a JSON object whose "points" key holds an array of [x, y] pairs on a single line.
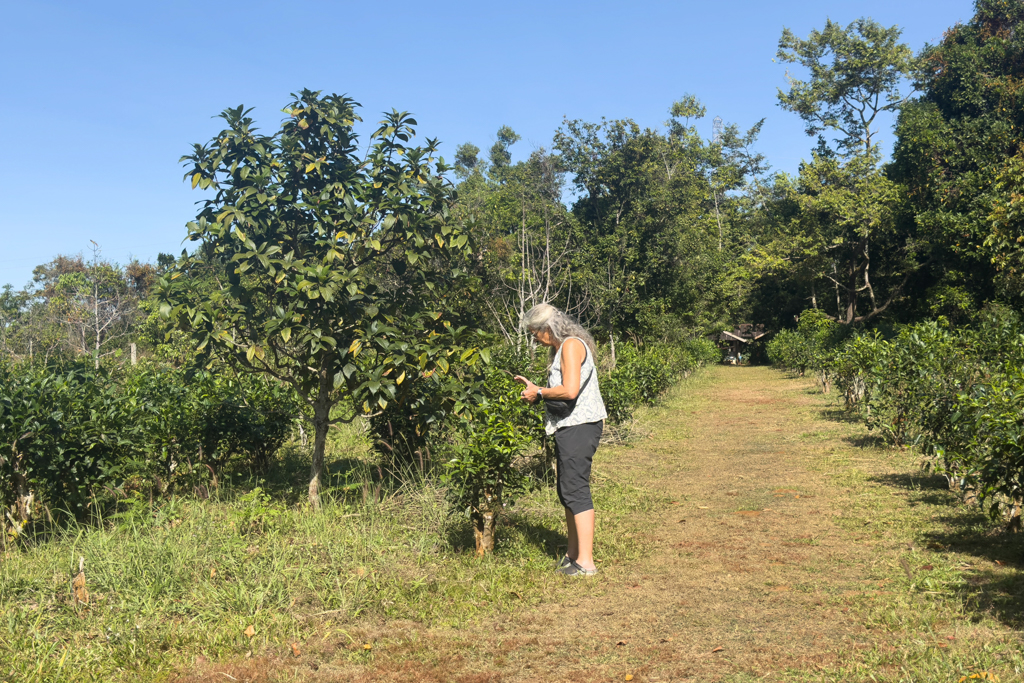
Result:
{"points": [[201, 419], [910, 379], [658, 225], [78, 435], [642, 374], [958, 393], [868, 64], [1005, 242], [64, 432], [955, 154], [339, 272], [806, 347], [256, 513], [486, 470]]}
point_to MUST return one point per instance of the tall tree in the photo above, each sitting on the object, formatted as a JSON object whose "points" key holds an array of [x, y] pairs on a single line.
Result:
{"points": [[955, 154], [856, 74], [649, 228], [849, 236], [335, 271]]}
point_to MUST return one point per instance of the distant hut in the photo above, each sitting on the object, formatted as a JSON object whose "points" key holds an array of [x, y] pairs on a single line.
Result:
{"points": [[742, 340]]}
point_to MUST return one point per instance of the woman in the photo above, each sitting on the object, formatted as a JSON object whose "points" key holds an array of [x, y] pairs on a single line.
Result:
{"points": [[575, 417]]}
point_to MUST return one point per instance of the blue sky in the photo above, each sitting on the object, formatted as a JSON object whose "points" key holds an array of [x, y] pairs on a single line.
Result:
{"points": [[99, 99]]}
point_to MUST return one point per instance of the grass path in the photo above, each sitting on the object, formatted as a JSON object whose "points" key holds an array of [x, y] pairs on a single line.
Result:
{"points": [[788, 547]]}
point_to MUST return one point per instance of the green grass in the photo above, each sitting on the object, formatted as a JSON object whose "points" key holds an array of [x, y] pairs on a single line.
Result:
{"points": [[946, 588], [183, 578]]}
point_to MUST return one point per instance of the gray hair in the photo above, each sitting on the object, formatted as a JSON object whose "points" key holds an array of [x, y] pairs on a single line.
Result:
{"points": [[545, 317]]}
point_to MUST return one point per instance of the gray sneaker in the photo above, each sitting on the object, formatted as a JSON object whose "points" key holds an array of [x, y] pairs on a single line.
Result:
{"points": [[573, 569], [565, 562]]}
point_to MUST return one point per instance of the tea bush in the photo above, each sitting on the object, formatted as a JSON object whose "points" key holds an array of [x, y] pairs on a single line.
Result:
{"points": [[643, 373], [957, 393], [71, 435]]}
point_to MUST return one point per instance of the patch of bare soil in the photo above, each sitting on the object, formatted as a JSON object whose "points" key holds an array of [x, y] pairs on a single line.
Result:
{"points": [[742, 573]]}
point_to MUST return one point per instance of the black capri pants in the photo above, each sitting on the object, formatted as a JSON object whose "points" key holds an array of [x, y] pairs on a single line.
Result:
{"points": [[574, 453]]}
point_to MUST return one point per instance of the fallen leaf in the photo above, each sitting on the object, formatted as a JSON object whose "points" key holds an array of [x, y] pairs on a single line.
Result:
{"points": [[950, 638], [78, 584], [295, 650], [748, 513], [367, 646], [248, 654], [998, 562], [629, 677], [250, 632], [621, 642], [682, 521], [717, 649], [703, 507], [927, 568], [675, 502], [213, 573], [359, 571]]}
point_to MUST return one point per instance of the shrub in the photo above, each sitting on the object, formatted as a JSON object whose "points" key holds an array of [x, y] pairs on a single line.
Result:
{"points": [[64, 433], [643, 373], [71, 434], [809, 346], [958, 393], [486, 470]]}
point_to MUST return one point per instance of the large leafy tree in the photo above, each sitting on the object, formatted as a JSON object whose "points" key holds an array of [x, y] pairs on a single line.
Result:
{"points": [[844, 242], [849, 235], [856, 74], [335, 272], [955, 151]]}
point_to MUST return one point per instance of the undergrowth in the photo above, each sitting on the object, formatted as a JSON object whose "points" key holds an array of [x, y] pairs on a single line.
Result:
{"points": [[170, 581]]}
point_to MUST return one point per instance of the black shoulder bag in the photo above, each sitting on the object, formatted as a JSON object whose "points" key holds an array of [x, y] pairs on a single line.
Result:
{"points": [[560, 410]]}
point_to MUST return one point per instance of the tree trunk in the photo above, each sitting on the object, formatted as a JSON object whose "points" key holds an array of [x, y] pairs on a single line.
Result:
{"points": [[321, 423], [96, 320], [24, 495], [484, 523]]}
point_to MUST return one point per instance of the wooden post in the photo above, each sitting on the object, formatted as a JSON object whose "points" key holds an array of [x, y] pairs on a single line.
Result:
{"points": [[134, 356]]}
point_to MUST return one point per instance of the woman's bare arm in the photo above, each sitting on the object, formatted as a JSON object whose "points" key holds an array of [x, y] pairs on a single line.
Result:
{"points": [[573, 355]]}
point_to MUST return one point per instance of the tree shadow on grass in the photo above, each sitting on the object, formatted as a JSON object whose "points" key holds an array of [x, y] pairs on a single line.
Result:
{"points": [[514, 529], [843, 416], [836, 414], [869, 440], [351, 480], [970, 531], [926, 488]]}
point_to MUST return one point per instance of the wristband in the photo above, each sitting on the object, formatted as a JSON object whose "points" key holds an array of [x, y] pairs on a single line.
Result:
{"points": [[540, 395]]}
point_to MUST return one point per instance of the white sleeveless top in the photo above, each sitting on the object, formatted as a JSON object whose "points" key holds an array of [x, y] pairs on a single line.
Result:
{"points": [[589, 404]]}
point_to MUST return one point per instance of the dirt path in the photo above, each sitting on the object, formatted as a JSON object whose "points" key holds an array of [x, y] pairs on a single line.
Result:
{"points": [[741, 565], [766, 561]]}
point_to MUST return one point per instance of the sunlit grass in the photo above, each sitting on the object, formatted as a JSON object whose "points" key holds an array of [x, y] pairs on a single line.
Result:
{"points": [[176, 579]]}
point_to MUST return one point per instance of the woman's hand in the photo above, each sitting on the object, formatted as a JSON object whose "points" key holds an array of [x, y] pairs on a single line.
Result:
{"points": [[531, 394]]}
